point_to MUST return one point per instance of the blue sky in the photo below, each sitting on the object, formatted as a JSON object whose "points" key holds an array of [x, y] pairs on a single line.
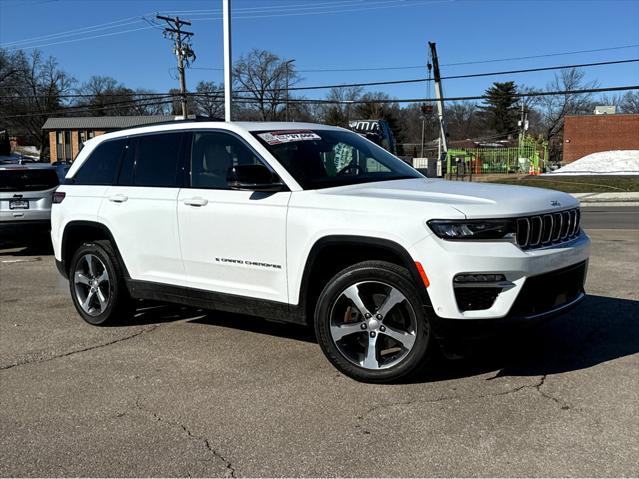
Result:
{"points": [[334, 34]]}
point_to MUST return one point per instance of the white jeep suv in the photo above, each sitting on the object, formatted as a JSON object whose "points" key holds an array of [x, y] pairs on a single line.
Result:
{"points": [[310, 224]]}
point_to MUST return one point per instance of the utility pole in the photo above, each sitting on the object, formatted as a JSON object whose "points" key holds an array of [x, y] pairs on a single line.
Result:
{"points": [[287, 67], [182, 50], [442, 146], [228, 66]]}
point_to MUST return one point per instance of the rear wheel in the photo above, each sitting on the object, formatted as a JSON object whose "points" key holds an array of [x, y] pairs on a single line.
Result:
{"points": [[371, 324], [97, 284]]}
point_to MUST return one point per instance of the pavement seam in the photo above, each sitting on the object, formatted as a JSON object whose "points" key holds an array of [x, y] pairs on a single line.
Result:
{"points": [[189, 434], [77, 351]]}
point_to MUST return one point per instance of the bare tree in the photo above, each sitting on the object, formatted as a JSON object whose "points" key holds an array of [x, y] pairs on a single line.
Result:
{"points": [[148, 103], [464, 120], [210, 99], [554, 108], [340, 113], [35, 92], [629, 102], [262, 77]]}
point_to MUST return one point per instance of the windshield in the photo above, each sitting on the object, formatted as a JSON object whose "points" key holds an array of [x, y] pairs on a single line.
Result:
{"points": [[325, 158]]}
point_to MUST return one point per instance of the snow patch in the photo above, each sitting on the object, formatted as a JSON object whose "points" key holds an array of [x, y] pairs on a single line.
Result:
{"points": [[616, 162]]}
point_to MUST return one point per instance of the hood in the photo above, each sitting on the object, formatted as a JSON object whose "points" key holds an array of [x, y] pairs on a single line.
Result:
{"points": [[475, 200]]}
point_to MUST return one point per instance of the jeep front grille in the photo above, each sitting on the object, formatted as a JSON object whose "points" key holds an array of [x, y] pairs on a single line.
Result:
{"points": [[544, 230]]}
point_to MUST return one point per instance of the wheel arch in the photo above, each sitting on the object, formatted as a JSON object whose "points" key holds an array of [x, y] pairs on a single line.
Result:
{"points": [[78, 232], [331, 254]]}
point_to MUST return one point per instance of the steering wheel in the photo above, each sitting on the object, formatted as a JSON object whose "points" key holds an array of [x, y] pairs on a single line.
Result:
{"points": [[348, 168]]}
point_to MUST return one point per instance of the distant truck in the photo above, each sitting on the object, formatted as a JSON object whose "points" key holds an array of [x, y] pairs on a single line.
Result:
{"points": [[378, 131]]}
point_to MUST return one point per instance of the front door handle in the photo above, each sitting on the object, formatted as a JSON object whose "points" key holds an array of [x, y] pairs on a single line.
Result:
{"points": [[196, 201], [118, 198]]}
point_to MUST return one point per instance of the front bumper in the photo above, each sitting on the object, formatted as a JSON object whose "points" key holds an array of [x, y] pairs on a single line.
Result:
{"points": [[443, 260]]}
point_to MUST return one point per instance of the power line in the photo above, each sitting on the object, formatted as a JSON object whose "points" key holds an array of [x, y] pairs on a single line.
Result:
{"points": [[542, 56], [75, 32], [473, 62], [330, 11], [471, 75], [460, 98], [83, 108], [172, 96], [249, 15], [246, 100]]}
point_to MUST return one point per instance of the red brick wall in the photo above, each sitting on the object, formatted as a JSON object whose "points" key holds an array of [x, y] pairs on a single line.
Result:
{"points": [[587, 134]]}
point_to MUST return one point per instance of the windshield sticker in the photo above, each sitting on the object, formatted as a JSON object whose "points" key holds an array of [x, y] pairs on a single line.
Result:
{"points": [[279, 137]]}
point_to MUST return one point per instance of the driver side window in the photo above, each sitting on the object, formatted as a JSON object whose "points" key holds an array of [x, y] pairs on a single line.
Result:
{"points": [[213, 154], [345, 159]]}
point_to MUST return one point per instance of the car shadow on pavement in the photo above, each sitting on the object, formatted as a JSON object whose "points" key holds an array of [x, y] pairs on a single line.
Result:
{"points": [[36, 247], [598, 330], [258, 325], [153, 312]]}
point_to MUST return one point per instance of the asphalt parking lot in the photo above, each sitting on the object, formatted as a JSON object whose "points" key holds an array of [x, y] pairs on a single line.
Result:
{"points": [[177, 392]]}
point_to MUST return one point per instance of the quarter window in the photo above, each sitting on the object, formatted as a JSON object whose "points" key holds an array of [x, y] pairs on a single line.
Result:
{"points": [[213, 154], [100, 167]]}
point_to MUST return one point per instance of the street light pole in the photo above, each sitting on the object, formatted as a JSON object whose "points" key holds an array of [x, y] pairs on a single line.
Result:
{"points": [[287, 67], [228, 66]]}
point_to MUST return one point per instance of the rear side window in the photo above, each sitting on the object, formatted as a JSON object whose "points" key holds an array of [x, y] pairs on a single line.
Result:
{"points": [[153, 160], [20, 179], [100, 167]]}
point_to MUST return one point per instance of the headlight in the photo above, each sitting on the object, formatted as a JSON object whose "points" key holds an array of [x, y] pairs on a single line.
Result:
{"points": [[473, 229]]}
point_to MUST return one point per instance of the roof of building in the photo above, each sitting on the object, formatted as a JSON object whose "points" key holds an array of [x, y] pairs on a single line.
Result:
{"points": [[104, 122]]}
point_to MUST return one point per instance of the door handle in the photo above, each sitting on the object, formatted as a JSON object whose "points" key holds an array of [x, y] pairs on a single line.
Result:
{"points": [[118, 198], [196, 201]]}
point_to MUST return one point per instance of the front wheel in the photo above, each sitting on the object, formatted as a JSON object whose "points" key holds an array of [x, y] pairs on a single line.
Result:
{"points": [[371, 323]]}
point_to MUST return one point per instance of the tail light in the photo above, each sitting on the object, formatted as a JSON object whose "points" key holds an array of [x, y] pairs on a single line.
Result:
{"points": [[58, 196]]}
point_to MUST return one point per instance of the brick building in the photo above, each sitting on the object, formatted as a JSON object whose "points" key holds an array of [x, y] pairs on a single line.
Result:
{"points": [[585, 134], [68, 134]]}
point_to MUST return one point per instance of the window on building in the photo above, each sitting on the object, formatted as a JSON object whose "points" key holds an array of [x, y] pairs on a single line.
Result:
{"points": [[67, 146], [59, 146], [82, 137]]}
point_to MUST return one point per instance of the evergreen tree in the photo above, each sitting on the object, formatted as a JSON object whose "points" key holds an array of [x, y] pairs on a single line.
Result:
{"points": [[500, 111]]}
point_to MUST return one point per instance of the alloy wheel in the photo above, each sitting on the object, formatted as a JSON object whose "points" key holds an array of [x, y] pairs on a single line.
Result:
{"points": [[373, 325], [91, 281]]}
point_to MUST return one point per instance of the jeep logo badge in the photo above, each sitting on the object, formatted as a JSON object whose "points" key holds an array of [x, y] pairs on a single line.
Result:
{"points": [[555, 203]]}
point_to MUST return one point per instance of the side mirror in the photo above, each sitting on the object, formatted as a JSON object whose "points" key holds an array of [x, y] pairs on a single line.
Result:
{"points": [[253, 178]]}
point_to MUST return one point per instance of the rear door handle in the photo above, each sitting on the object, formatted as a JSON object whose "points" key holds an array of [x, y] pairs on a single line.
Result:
{"points": [[118, 198], [196, 201]]}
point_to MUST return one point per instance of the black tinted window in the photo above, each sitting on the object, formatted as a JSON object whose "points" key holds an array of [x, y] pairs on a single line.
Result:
{"points": [[23, 179], [212, 154], [153, 160], [100, 167]]}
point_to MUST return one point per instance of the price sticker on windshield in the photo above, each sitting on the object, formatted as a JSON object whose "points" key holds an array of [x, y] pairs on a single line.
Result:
{"points": [[279, 137]]}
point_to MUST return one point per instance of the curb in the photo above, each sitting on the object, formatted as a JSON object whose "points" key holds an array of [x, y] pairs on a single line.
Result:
{"points": [[603, 204]]}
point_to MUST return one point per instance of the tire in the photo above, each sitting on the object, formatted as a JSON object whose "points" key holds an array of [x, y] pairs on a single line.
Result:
{"points": [[98, 291], [402, 339]]}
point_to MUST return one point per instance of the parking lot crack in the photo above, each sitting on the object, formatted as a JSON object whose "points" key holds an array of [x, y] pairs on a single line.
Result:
{"points": [[207, 444], [78, 351], [406, 403], [537, 387]]}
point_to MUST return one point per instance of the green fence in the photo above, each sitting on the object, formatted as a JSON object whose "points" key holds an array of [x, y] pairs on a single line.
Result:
{"points": [[527, 158]]}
